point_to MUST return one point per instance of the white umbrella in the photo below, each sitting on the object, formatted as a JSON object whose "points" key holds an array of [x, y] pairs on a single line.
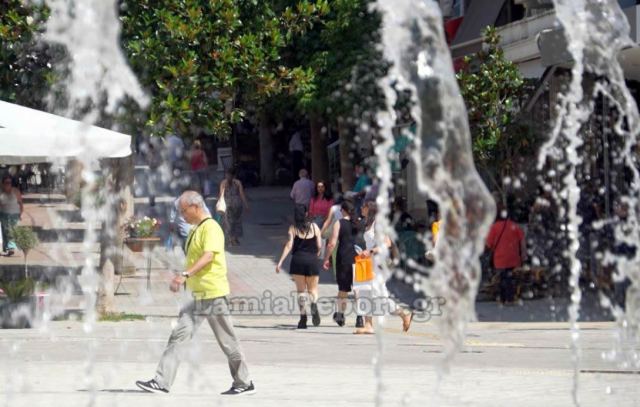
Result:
{"points": [[31, 136]]}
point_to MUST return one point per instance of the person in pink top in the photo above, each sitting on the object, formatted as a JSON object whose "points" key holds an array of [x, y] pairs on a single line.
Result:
{"points": [[199, 165], [320, 204]]}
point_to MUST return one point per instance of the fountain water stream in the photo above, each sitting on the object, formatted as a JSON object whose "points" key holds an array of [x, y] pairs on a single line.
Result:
{"points": [[596, 33], [98, 75], [414, 41]]}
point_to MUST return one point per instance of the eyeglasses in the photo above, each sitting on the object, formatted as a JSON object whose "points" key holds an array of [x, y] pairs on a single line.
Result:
{"points": [[183, 209]]}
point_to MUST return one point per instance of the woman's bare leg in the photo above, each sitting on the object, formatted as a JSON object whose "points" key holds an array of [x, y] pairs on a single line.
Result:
{"points": [[301, 288]]}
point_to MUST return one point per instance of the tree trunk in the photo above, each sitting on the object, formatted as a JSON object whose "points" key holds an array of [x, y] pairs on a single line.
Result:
{"points": [[347, 167], [119, 204], [319, 157], [267, 161]]}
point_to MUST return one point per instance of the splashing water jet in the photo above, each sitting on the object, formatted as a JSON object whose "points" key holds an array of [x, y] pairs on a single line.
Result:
{"points": [[414, 41]]}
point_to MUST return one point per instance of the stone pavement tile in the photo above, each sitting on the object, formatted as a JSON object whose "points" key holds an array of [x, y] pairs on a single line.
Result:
{"points": [[318, 367]]}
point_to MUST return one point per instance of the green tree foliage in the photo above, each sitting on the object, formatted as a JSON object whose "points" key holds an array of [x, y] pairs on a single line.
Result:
{"points": [[27, 71], [346, 60], [196, 56], [492, 88]]}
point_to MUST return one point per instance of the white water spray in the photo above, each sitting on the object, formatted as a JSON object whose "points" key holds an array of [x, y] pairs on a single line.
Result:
{"points": [[91, 32], [414, 41], [99, 74], [596, 32]]}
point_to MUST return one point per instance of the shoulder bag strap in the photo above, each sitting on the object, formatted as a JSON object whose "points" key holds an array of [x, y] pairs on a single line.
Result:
{"points": [[500, 237], [186, 248]]}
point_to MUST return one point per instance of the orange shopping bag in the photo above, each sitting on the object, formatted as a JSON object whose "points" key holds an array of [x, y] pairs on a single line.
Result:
{"points": [[363, 269]]}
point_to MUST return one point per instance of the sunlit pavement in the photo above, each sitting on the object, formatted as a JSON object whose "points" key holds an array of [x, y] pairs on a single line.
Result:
{"points": [[523, 363], [527, 364]]}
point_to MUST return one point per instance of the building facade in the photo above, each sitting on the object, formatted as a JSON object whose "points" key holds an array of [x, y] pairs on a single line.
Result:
{"points": [[532, 39]]}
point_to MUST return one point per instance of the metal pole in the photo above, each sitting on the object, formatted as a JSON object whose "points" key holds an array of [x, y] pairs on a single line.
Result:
{"points": [[605, 154]]}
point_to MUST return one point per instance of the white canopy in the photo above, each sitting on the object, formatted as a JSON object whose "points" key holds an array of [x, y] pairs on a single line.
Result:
{"points": [[31, 136]]}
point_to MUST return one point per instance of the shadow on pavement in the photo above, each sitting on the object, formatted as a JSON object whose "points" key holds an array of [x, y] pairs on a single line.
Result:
{"points": [[128, 391]]}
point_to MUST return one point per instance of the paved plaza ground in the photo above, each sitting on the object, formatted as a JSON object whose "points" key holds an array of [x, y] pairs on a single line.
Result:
{"points": [[524, 363], [503, 364]]}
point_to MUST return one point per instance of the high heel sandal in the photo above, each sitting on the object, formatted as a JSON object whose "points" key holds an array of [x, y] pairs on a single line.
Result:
{"points": [[406, 325]]}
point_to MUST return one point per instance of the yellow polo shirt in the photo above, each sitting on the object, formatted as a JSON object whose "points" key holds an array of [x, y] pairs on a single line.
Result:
{"points": [[211, 281]]}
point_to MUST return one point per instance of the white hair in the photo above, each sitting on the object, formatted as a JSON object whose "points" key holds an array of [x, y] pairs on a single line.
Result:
{"points": [[192, 198]]}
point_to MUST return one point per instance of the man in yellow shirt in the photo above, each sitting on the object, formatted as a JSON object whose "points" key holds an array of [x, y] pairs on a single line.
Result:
{"points": [[206, 278]]}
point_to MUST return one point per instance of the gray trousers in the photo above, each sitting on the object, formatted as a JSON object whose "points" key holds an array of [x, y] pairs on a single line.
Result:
{"points": [[216, 312]]}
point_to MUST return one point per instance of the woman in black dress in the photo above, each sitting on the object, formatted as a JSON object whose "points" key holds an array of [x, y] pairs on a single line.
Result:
{"points": [[304, 244], [343, 235]]}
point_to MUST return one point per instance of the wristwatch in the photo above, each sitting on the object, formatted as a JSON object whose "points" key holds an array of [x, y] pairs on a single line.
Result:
{"points": [[185, 274]]}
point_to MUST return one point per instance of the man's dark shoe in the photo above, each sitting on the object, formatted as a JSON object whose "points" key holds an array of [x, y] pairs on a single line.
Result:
{"points": [[151, 386], [302, 324], [315, 315], [359, 322], [338, 317], [237, 391]]}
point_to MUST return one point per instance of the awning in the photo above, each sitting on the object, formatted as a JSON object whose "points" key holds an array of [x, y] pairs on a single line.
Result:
{"points": [[31, 136], [481, 13]]}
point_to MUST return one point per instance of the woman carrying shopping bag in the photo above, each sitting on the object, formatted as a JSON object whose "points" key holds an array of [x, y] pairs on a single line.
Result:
{"points": [[368, 298]]}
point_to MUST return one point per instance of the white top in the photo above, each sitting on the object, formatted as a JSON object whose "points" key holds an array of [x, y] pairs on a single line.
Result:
{"points": [[9, 203], [295, 144], [176, 147], [370, 237]]}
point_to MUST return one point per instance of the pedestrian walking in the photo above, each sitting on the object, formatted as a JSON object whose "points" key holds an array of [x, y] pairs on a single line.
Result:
{"points": [[206, 278], [335, 214], [199, 165], [154, 160], [369, 296], [507, 244], [343, 237], [363, 181], [296, 150], [320, 204], [304, 244], [11, 209], [303, 189], [175, 147], [232, 192]]}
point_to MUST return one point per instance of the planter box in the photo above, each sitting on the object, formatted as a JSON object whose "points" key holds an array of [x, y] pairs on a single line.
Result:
{"points": [[135, 246], [138, 244]]}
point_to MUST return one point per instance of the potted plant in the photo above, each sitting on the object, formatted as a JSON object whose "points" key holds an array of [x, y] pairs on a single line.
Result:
{"points": [[138, 229], [26, 239], [17, 306]]}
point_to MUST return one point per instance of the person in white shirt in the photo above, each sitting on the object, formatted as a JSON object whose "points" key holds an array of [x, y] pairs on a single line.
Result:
{"points": [[175, 145], [296, 149], [303, 189]]}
